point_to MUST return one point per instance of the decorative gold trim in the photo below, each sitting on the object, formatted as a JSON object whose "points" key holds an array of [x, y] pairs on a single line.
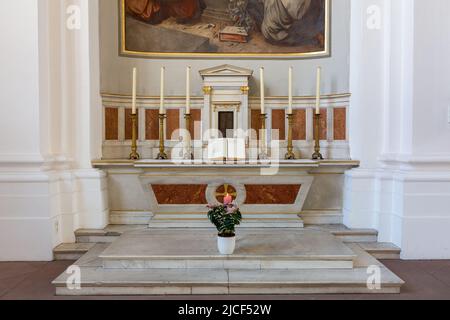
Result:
{"points": [[318, 54], [227, 105], [226, 187], [245, 89], [207, 90]]}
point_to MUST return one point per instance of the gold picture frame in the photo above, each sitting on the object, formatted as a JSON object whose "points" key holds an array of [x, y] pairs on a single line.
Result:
{"points": [[123, 51]]}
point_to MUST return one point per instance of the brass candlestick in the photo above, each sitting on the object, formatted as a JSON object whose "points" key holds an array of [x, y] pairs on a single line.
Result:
{"points": [[162, 154], [134, 155], [263, 147], [290, 148], [188, 152], [317, 155]]}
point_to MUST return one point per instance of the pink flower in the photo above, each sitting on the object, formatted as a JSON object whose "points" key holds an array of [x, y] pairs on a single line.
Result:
{"points": [[231, 210]]}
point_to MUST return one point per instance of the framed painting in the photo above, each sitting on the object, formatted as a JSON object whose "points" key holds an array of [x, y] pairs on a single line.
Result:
{"points": [[225, 28]]}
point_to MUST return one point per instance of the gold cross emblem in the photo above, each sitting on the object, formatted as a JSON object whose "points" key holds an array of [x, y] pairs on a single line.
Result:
{"points": [[226, 192]]}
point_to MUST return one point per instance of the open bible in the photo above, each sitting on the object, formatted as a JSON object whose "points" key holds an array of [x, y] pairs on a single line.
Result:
{"points": [[226, 149]]}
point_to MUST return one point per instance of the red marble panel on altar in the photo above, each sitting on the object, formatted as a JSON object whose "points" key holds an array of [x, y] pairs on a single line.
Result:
{"points": [[340, 124], [323, 124], [128, 124], [174, 194], [272, 194], [172, 124], [279, 123], [111, 124], [299, 126], [151, 124], [196, 124], [256, 122]]}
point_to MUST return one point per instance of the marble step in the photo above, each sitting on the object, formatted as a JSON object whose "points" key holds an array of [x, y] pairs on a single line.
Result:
{"points": [[348, 235], [322, 217], [71, 251], [259, 249], [98, 281], [382, 250], [275, 223], [96, 236], [112, 232]]}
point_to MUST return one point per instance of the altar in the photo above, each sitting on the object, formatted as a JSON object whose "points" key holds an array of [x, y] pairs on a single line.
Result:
{"points": [[282, 161], [256, 149], [281, 194]]}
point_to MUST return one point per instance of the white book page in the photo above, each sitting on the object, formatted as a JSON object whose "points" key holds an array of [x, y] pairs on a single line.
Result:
{"points": [[236, 149], [217, 149]]}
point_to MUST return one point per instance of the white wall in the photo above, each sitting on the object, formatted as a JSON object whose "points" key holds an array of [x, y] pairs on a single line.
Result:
{"points": [[399, 126], [116, 70], [50, 110]]}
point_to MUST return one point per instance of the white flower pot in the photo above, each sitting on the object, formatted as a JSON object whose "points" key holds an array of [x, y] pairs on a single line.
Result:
{"points": [[226, 245]]}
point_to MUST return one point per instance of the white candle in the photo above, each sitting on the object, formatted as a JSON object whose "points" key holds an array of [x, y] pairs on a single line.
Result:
{"points": [[161, 106], [319, 75], [133, 103], [290, 91], [188, 90], [263, 107]]}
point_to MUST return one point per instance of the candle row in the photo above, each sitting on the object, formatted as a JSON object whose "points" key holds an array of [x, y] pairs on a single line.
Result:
{"points": [[263, 98], [161, 108], [318, 92]]}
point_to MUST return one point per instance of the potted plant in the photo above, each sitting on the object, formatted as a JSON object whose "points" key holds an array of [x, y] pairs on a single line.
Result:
{"points": [[225, 217]]}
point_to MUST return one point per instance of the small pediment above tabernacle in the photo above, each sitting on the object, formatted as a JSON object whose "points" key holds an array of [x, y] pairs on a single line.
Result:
{"points": [[226, 70]]}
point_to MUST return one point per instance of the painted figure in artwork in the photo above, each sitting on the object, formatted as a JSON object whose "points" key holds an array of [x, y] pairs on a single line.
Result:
{"points": [[156, 11], [288, 22]]}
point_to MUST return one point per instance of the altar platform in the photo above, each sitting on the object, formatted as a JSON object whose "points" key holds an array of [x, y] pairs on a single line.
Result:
{"points": [[266, 261]]}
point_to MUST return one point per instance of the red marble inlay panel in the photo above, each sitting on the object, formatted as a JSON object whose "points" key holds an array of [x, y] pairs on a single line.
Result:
{"points": [[111, 124], [196, 124], [172, 124], [151, 124], [172, 194], [256, 123], [272, 194], [340, 124], [323, 124], [279, 123], [128, 125], [299, 127]]}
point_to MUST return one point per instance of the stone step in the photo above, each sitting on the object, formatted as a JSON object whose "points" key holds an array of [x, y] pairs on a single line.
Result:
{"points": [[71, 251], [322, 217], [349, 235], [112, 232], [382, 250], [96, 281], [192, 220], [177, 224], [259, 249], [356, 235]]}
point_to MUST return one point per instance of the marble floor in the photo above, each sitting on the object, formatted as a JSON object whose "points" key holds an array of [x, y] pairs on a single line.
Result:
{"points": [[32, 280]]}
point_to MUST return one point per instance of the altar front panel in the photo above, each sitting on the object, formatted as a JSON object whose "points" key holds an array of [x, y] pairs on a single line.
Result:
{"points": [[313, 190]]}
